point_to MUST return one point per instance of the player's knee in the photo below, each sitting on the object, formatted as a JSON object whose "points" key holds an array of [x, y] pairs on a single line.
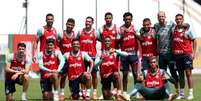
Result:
{"points": [[26, 77]]}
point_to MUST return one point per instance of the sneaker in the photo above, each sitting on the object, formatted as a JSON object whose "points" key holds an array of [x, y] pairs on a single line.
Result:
{"points": [[61, 97], [24, 98], [181, 97], [56, 97], [101, 97], [190, 97], [94, 96], [125, 97]]}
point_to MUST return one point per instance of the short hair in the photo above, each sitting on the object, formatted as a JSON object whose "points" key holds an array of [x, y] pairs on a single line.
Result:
{"points": [[92, 19], [146, 19], [49, 14], [127, 14], [71, 20], [50, 40], [179, 15], [107, 37], [108, 13], [21, 44], [152, 58], [75, 39]]}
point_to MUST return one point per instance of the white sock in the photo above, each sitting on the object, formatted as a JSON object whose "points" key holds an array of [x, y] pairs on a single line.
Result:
{"points": [[23, 96], [182, 92], [88, 92], [62, 91], [94, 90], [124, 92], [190, 92]]}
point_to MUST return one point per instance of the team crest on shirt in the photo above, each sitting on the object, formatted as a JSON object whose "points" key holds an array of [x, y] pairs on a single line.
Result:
{"points": [[79, 58], [113, 32], [90, 35], [157, 76], [111, 57], [22, 62], [52, 56], [149, 37]]}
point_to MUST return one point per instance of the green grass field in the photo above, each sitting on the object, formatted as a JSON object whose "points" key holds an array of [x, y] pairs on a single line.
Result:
{"points": [[34, 92]]}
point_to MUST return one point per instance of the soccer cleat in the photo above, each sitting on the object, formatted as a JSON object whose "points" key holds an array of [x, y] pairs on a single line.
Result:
{"points": [[61, 97], [190, 97], [181, 97], [24, 98]]}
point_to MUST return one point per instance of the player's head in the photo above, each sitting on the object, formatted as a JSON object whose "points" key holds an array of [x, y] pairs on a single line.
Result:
{"points": [[153, 62], [107, 41], [50, 44], [146, 24], [21, 48], [70, 24], [179, 18], [108, 18], [161, 17], [89, 22], [128, 17], [76, 45], [49, 19]]}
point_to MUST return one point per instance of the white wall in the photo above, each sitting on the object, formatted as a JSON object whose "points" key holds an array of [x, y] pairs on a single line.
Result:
{"points": [[13, 13]]}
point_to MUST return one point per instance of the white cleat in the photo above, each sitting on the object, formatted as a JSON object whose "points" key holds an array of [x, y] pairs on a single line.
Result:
{"points": [[190, 97], [180, 97]]}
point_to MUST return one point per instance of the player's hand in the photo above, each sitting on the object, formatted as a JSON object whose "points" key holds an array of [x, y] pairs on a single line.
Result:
{"points": [[111, 51], [14, 77], [87, 74], [106, 75], [34, 59], [53, 71]]}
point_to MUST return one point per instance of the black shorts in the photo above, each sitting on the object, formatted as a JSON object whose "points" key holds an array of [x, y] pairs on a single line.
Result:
{"points": [[10, 85], [74, 84], [46, 84], [106, 82], [183, 61], [128, 60], [87, 65], [64, 70]]}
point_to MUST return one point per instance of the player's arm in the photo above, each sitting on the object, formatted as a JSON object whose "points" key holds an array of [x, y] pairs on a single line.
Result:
{"points": [[35, 44], [27, 65], [40, 63], [88, 58], [8, 64], [166, 76], [97, 62], [61, 60]]}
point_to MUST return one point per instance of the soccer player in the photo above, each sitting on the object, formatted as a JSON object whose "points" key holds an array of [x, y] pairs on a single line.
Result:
{"points": [[148, 42], [154, 84], [163, 31], [109, 71], [76, 70], [50, 62], [130, 44], [109, 28], [17, 69], [65, 41], [87, 38], [183, 48], [47, 31]]}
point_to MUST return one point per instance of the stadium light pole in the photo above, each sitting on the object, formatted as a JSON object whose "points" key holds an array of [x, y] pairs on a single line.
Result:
{"points": [[62, 15], [96, 12], [25, 5], [128, 5]]}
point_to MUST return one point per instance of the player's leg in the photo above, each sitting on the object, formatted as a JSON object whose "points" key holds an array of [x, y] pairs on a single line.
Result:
{"points": [[9, 89], [25, 85], [55, 80]]}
